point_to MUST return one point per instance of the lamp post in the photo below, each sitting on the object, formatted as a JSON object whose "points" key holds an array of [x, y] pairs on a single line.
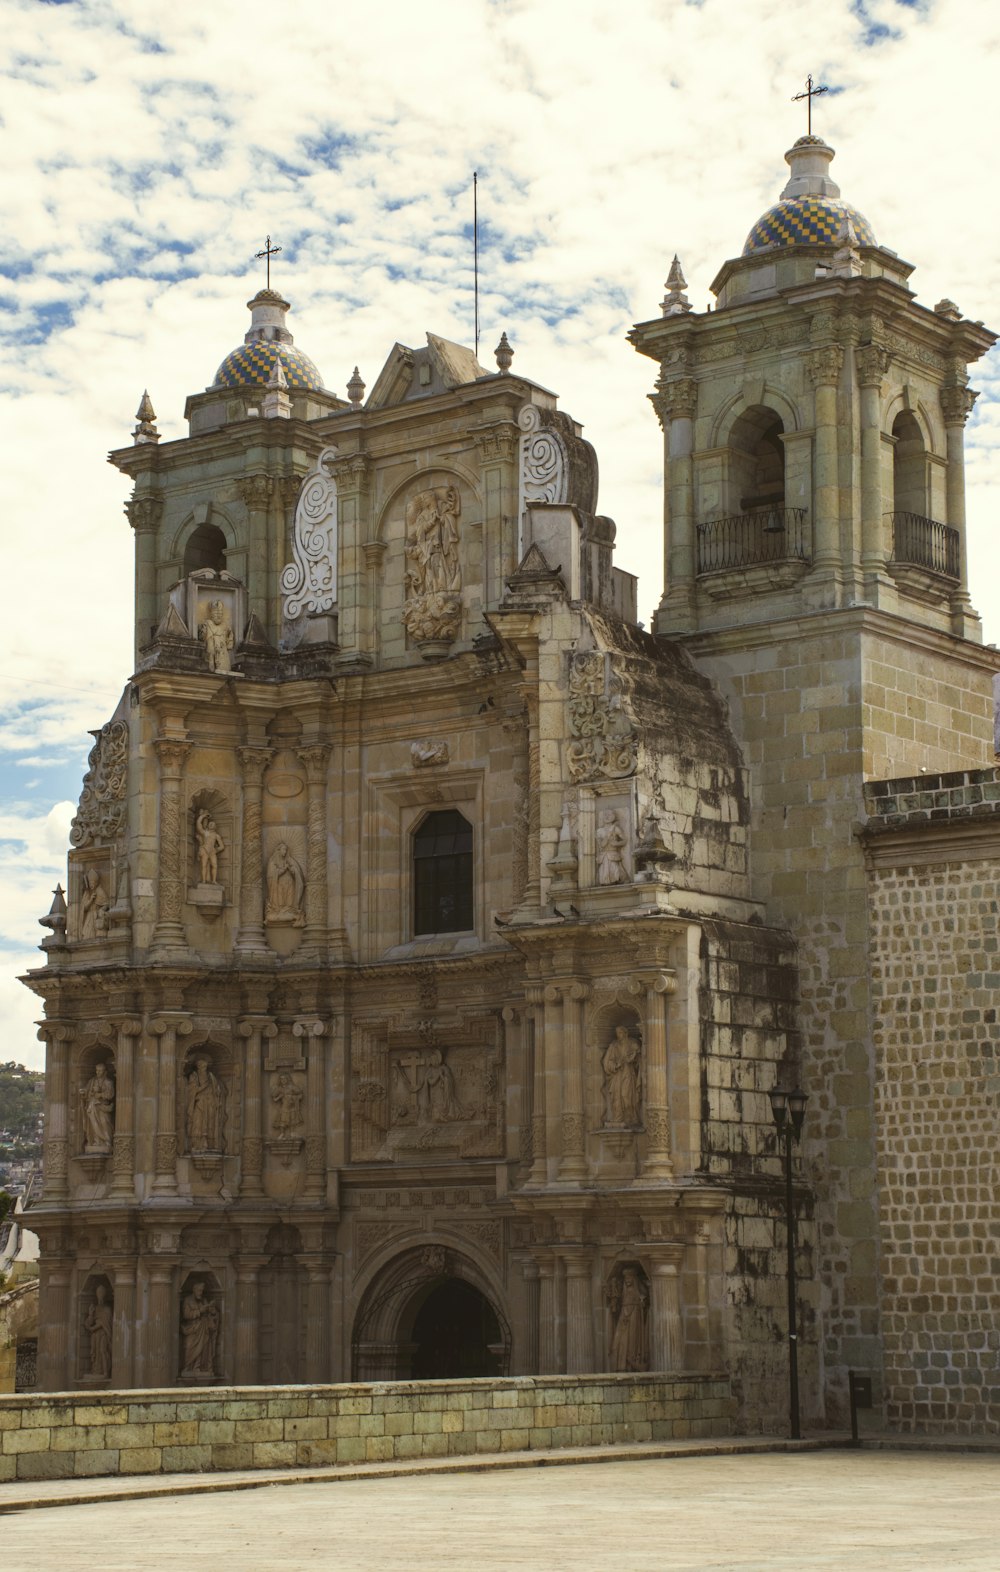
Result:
{"points": [[789, 1109]]}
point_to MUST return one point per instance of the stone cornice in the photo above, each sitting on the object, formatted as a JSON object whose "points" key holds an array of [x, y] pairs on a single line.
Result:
{"points": [[936, 841]]}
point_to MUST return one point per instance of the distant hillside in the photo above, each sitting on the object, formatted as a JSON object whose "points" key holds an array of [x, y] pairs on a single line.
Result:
{"points": [[21, 1092]]}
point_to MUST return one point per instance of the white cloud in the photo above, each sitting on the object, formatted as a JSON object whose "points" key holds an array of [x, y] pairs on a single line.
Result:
{"points": [[145, 152]]}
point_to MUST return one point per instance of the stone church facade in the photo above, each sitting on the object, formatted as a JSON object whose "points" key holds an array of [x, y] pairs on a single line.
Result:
{"points": [[434, 933]]}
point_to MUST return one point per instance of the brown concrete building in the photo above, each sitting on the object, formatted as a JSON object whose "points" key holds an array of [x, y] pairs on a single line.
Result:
{"points": [[434, 933]]}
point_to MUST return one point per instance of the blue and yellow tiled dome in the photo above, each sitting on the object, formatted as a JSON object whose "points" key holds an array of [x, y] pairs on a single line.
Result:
{"points": [[806, 221], [252, 365]]}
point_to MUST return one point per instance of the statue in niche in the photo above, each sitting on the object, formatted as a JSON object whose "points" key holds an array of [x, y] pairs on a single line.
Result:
{"points": [[200, 1331], [94, 903], [205, 1107], [287, 1099], [98, 1098], [621, 1063], [98, 1324], [210, 844], [285, 888], [628, 1301], [216, 633], [611, 845]]}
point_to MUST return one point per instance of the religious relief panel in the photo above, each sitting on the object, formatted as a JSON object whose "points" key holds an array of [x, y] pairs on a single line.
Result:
{"points": [[604, 743], [424, 1101], [432, 607], [93, 904], [627, 1298], [612, 848]]}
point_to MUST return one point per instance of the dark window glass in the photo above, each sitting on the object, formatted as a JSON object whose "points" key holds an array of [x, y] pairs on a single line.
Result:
{"points": [[442, 874]]}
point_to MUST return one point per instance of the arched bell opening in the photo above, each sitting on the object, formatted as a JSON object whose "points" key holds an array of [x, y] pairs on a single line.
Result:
{"points": [[430, 1314], [757, 461], [909, 466], [205, 547]]}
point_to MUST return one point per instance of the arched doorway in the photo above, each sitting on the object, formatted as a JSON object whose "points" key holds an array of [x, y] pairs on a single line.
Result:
{"points": [[430, 1313]]}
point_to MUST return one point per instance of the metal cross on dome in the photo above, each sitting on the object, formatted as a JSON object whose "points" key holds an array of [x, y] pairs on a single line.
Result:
{"points": [[809, 94], [270, 251]]}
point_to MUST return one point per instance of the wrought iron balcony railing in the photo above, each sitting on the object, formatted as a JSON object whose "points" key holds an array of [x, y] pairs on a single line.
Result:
{"points": [[745, 539], [924, 543]]}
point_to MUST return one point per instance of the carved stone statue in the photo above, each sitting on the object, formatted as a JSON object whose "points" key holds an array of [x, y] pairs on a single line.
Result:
{"points": [[200, 1331], [287, 1099], [94, 904], [98, 1324], [432, 609], [216, 633], [285, 888], [611, 843], [98, 1097], [621, 1064], [205, 1107], [628, 1301], [210, 844]]}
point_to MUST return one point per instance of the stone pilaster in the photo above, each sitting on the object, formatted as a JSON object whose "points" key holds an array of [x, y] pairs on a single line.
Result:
{"points": [[123, 1151], [548, 1359], [657, 1166], [526, 1347], [163, 1326], [123, 1326], [57, 1037], [872, 363], [573, 1161], [56, 1276], [168, 1026], [499, 446], [534, 995], [956, 407], [251, 942], [315, 757], [313, 1032], [824, 367], [245, 1332], [318, 1321], [263, 574], [666, 1349], [675, 404], [254, 1029], [143, 514], [169, 938], [579, 1313]]}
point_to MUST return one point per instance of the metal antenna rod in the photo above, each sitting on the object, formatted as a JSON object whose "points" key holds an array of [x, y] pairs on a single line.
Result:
{"points": [[475, 250]]}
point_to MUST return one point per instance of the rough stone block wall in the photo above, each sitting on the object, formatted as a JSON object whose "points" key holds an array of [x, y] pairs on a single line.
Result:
{"points": [[67, 1435], [935, 966], [749, 1001], [931, 710]]}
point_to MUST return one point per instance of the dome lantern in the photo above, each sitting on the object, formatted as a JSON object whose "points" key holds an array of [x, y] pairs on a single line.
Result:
{"points": [[266, 344]]}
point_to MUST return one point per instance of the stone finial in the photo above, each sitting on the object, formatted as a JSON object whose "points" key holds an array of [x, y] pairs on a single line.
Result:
{"points": [[675, 303], [504, 354], [947, 308], [145, 430], [356, 389], [55, 919], [276, 404]]}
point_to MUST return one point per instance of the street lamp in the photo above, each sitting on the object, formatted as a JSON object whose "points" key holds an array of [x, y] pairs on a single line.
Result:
{"points": [[789, 1110]]}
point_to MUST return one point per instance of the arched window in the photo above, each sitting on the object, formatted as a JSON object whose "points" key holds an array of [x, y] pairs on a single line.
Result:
{"points": [[442, 874], [909, 466], [757, 461], [206, 548]]}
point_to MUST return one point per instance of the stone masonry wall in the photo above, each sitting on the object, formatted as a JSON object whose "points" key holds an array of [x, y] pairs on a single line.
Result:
{"points": [[68, 1435], [935, 966]]}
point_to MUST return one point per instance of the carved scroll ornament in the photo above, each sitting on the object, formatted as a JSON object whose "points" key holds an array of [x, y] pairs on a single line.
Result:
{"points": [[100, 817], [604, 743], [309, 582], [544, 467]]}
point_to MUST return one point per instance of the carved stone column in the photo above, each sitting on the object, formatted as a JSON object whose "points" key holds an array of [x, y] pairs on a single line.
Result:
{"points": [[656, 1114], [123, 1151], [314, 938], [168, 1027], [665, 1328], [526, 1347], [675, 404], [872, 362], [956, 407], [534, 995], [499, 446], [824, 367], [548, 1359], [123, 1326], [262, 575], [313, 1032], [368, 624], [53, 1327], [57, 1037], [254, 1028], [143, 514], [245, 1335], [163, 1327], [168, 936], [573, 1162], [317, 1321], [250, 939], [579, 1313]]}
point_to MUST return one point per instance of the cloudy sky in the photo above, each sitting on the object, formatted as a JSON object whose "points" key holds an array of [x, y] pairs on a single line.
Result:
{"points": [[147, 149]]}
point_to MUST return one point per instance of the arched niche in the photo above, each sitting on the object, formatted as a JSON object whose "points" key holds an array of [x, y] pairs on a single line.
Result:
{"points": [[209, 852], [909, 465], [95, 1328], [206, 1101], [392, 1308], [627, 1313], [756, 479], [201, 1327], [93, 1111]]}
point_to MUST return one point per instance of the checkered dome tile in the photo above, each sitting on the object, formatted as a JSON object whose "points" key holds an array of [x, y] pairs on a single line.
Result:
{"points": [[806, 221], [251, 366]]}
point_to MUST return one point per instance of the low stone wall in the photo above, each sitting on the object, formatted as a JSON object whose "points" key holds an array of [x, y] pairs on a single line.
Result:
{"points": [[67, 1435]]}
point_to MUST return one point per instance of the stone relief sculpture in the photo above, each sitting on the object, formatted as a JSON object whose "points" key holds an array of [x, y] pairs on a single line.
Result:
{"points": [[98, 1098], [604, 742], [427, 752], [286, 1096], [309, 582], [94, 903], [622, 1066], [432, 607], [209, 844], [98, 1324], [100, 817], [544, 468], [216, 633], [627, 1298], [204, 1107], [611, 843], [428, 1089], [200, 1331], [285, 889]]}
